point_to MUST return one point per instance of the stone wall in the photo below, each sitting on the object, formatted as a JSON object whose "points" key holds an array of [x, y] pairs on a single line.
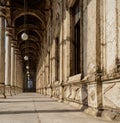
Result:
{"points": [[97, 87]]}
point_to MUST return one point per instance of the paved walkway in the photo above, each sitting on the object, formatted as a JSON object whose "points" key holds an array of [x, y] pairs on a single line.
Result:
{"points": [[34, 108]]}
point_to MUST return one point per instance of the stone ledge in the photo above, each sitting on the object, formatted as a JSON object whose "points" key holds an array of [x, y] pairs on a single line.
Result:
{"points": [[111, 76], [76, 77], [111, 81], [73, 80]]}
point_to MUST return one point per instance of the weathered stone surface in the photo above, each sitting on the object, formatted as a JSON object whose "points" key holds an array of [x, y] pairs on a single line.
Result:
{"points": [[92, 95], [109, 115], [110, 35], [111, 93], [73, 49]]}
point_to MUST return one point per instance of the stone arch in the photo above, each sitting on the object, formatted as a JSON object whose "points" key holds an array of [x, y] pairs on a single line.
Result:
{"points": [[38, 15]]}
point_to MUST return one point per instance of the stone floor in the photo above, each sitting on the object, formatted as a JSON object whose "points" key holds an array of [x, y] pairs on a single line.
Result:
{"points": [[34, 108]]}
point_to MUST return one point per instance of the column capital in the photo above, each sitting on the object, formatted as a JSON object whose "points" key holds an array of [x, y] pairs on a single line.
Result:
{"points": [[14, 43], [9, 31], [2, 11]]}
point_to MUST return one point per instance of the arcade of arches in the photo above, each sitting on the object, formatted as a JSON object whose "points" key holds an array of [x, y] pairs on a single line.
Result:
{"points": [[72, 51]]}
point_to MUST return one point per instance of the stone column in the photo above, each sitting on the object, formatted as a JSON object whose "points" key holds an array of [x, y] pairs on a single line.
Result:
{"points": [[94, 63], [15, 73], [118, 35], [2, 50], [43, 77], [53, 61], [49, 89], [46, 70], [66, 47], [61, 63], [51, 71], [46, 73], [8, 62], [12, 68], [68, 41]]}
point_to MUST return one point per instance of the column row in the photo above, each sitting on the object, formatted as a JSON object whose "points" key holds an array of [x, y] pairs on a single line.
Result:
{"points": [[8, 58]]}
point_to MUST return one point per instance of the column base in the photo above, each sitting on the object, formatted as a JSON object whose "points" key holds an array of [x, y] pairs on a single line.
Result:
{"points": [[2, 91], [18, 90], [92, 111], [13, 90], [8, 90]]}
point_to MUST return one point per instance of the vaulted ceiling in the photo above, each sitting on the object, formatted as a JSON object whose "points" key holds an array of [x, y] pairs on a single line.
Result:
{"points": [[30, 16]]}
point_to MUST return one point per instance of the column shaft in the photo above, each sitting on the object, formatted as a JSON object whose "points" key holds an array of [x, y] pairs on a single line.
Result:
{"points": [[12, 65], [12, 70], [8, 62], [8, 59], [2, 51]]}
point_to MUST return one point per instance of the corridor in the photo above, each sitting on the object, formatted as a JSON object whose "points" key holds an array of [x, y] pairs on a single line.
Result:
{"points": [[34, 108], [65, 49]]}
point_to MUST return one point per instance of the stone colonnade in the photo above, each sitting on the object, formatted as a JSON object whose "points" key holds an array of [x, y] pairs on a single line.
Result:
{"points": [[11, 77]]}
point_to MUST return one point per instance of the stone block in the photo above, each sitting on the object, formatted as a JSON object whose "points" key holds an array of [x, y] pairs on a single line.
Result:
{"points": [[111, 95], [92, 95], [8, 90]]}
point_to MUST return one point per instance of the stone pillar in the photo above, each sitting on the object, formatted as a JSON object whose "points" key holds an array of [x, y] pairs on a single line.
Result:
{"points": [[40, 79], [61, 63], [66, 46], [12, 68], [8, 62], [46, 73], [47, 70], [118, 35], [2, 51], [43, 77], [94, 63], [51, 71], [49, 89], [68, 41], [53, 61], [15, 73], [19, 74]]}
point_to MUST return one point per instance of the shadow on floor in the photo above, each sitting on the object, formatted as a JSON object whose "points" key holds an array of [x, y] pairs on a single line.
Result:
{"points": [[46, 101], [38, 111]]}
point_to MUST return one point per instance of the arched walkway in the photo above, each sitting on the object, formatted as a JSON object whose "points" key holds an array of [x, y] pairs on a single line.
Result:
{"points": [[64, 49]]}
